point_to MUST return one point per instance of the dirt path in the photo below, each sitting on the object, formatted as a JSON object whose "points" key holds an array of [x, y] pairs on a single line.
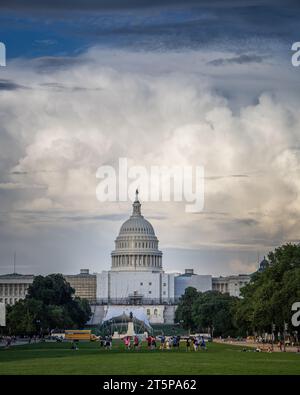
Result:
{"points": [[254, 345]]}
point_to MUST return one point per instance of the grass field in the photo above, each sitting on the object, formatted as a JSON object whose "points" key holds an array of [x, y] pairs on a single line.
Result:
{"points": [[58, 358]]}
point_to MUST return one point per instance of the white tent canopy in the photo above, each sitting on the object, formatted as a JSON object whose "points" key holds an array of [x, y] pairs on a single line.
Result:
{"points": [[116, 311]]}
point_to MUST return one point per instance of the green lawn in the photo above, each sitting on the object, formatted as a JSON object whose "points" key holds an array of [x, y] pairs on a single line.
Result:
{"points": [[58, 358]]}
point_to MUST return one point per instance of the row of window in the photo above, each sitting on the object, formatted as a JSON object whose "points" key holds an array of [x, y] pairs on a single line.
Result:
{"points": [[155, 312], [142, 244], [15, 286], [226, 285], [140, 261], [13, 289], [138, 230]]}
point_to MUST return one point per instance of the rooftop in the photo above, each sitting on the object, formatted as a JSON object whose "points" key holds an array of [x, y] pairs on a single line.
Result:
{"points": [[16, 276]]}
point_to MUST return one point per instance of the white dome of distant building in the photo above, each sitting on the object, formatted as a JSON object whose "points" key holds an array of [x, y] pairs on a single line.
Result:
{"points": [[136, 247]]}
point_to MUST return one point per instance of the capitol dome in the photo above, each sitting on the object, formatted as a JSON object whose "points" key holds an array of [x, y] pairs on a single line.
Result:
{"points": [[136, 247], [137, 224]]}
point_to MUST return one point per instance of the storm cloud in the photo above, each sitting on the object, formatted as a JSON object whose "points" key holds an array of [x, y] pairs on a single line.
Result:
{"points": [[63, 135], [185, 83]]}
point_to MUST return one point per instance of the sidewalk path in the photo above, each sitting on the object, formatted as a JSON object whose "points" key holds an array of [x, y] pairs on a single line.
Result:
{"points": [[254, 345]]}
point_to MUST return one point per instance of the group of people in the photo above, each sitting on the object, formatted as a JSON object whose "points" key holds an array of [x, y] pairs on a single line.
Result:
{"points": [[151, 342], [135, 342], [8, 340], [136, 345], [198, 343], [169, 342], [161, 342]]}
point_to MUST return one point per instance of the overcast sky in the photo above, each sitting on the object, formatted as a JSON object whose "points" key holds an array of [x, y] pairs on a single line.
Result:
{"points": [[188, 83]]}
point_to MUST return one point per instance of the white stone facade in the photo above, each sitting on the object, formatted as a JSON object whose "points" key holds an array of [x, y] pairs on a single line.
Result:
{"points": [[113, 286], [13, 287], [230, 284]]}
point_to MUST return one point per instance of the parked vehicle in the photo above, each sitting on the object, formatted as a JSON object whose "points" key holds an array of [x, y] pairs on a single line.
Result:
{"points": [[80, 334]]}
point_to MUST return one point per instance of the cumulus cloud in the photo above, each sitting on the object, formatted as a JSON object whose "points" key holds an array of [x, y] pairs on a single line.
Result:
{"points": [[153, 116]]}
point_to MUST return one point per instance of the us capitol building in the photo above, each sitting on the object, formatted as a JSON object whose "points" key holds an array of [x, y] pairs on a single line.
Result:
{"points": [[136, 278]]}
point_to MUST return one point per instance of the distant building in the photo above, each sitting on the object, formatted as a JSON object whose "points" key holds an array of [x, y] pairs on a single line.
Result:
{"points": [[263, 265], [230, 284], [84, 283], [13, 287], [202, 283], [136, 275]]}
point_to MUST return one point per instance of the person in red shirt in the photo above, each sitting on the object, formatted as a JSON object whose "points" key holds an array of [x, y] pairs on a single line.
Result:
{"points": [[149, 341]]}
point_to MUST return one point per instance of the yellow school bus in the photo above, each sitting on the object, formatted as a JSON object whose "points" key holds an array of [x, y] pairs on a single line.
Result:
{"points": [[80, 334]]}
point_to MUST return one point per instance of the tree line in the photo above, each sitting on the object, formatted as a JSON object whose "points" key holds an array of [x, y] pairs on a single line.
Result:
{"points": [[49, 304], [264, 306]]}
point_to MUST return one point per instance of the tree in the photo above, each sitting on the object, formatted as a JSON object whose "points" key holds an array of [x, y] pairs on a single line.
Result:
{"points": [[50, 303], [210, 310], [184, 310], [214, 311], [268, 298], [23, 316], [80, 311], [52, 290]]}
